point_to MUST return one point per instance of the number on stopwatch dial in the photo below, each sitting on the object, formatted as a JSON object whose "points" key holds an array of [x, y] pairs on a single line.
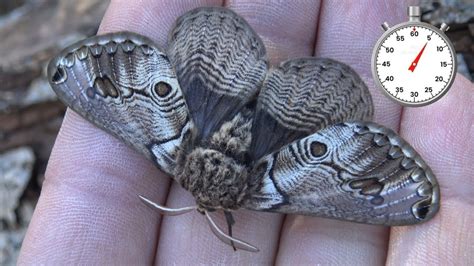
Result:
{"points": [[415, 64]]}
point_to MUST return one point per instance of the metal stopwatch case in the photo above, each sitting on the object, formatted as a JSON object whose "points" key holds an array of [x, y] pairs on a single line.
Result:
{"points": [[414, 63]]}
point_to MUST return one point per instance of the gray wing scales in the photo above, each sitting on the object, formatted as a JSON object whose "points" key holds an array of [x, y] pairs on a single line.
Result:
{"points": [[355, 171], [220, 63], [124, 84], [301, 96]]}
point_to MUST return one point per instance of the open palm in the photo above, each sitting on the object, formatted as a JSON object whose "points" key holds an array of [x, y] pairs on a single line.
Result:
{"points": [[89, 211]]}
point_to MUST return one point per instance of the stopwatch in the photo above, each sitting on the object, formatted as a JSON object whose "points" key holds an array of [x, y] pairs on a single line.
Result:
{"points": [[414, 63]]}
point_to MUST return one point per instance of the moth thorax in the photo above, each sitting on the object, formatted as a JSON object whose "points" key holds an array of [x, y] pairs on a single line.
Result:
{"points": [[216, 180]]}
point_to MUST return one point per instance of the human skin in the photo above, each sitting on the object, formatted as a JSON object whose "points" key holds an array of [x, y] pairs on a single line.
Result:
{"points": [[89, 212]]}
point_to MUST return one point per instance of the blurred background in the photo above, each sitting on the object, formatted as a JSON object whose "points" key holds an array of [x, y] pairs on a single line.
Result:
{"points": [[31, 32]]}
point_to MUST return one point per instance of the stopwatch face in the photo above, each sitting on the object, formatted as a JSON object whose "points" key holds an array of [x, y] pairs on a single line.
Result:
{"points": [[414, 63]]}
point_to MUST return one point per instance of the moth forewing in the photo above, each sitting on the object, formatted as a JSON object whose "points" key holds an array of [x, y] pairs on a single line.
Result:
{"points": [[348, 171], [124, 84]]}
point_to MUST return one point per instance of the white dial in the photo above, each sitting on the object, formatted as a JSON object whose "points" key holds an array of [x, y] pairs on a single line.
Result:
{"points": [[414, 63]]}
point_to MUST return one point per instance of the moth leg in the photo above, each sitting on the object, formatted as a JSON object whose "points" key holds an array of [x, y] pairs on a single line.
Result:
{"points": [[230, 222], [167, 211], [234, 242]]}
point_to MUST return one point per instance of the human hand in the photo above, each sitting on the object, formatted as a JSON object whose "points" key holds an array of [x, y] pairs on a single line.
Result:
{"points": [[89, 211]]}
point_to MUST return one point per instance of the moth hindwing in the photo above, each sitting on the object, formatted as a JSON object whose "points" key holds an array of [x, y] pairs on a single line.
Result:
{"points": [[292, 139]]}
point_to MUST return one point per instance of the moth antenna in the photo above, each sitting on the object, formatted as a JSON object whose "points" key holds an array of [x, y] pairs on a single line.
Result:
{"points": [[230, 222], [167, 211], [231, 241]]}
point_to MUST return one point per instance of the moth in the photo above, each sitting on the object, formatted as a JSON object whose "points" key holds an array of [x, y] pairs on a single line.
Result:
{"points": [[236, 133]]}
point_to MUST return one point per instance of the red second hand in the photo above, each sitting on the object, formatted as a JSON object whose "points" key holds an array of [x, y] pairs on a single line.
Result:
{"points": [[415, 62]]}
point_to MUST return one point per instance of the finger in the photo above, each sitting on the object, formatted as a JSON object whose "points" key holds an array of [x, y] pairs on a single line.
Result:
{"points": [[89, 210], [150, 18], [276, 25], [344, 36], [88, 202], [443, 133], [288, 30], [187, 238]]}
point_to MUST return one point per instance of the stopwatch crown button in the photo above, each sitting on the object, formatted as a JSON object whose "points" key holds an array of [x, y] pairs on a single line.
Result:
{"points": [[414, 13], [444, 27], [385, 26]]}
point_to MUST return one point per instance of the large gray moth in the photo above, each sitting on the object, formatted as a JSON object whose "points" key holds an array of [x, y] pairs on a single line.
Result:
{"points": [[291, 139]]}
